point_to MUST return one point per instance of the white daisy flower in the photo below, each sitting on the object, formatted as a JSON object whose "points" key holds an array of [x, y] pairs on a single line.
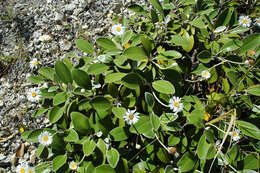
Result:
{"points": [[118, 29], [30, 170], [21, 168], [175, 104], [45, 38], [33, 95], [220, 29], [34, 63], [205, 74], [131, 117], [257, 21], [73, 165], [235, 134], [45, 138], [244, 21]]}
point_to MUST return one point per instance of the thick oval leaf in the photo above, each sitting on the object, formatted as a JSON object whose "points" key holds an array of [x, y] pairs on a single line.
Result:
{"points": [[248, 129], [60, 98], [88, 147], [251, 161], [254, 90], [196, 117], [136, 8], [112, 157], [63, 72], [36, 79], [187, 162], [147, 43], [71, 136], [157, 5], [143, 126], [135, 53], [58, 162], [84, 46], [81, 78], [118, 134], [113, 77], [163, 86], [149, 99], [173, 140], [231, 45], [55, 114], [224, 18], [80, 122], [47, 72], [119, 111], [104, 169], [169, 169], [106, 43], [179, 40], [250, 43], [172, 54], [155, 121], [97, 68], [132, 81], [101, 105], [198, 23], [204, 56], [203, 148]]}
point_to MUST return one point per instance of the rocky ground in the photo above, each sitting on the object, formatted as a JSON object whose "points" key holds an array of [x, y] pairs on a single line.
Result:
{"points": [[22, 22]]}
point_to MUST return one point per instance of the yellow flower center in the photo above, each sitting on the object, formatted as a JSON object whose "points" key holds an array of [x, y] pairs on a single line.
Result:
{"points": [[160, 62], [206, 116], [234, 134], [145, 60], [21, 129], [30, 171], [118, 29], [35, 63], [22, 170], [127, 45], [131, 116], [245, 21], [34, 94], [45, 138], [206, 74], [176, 104], [73, 166]]}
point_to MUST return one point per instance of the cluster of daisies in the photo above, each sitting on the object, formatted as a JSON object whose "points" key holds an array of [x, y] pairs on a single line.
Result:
{"points": [[246, 21]]}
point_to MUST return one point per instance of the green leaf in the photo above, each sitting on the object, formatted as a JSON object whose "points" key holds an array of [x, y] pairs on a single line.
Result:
{"points": [[224, 18], [84, 46], [82, 79], [80, 122], [60, 98], [163, 86], [254, 90], [135, 53], [43, 167], [143, 126], [97, 68], [89, 147], [149, 99], [187, 162], [155, 121], [36, 79], [157, 5], [172, 54], [63, 72], [179, 40], [58, 162], [203, 148], [71, 136], [196, 118], [112, 157], [214, 76], [169, 169], [251, 42], [136, 8], [147, 43], [39, 112], [119, 111], [106, 43], [168, 117], [47, 72], [225, 85], [231, 45], [154, 16], [118, 134], [189, 39], [42, 152], [204, 56], [132, 81], [173, 140], [55, 114], [251, 162], [248, 129], [126, 37], [104, 168], [114, 77], [198, 23], [101, 105]]}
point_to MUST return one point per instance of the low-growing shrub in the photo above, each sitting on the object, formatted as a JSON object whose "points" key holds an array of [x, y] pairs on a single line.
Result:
{"points": [[175, 89]]}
